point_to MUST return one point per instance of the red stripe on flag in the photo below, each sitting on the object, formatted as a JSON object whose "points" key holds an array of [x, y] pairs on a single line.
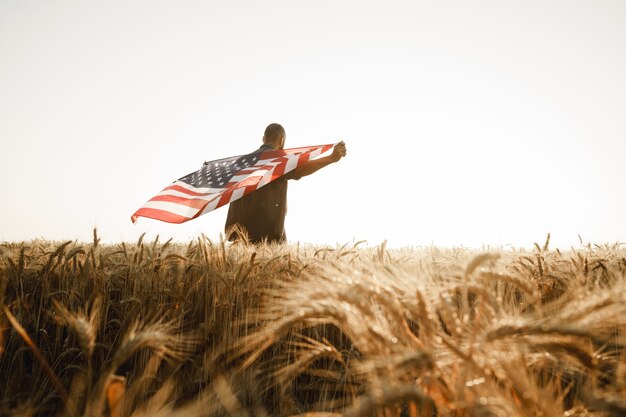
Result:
{"points": [[164, 216], [303, 158], [280, 168], [194, 203], [225, 198]]}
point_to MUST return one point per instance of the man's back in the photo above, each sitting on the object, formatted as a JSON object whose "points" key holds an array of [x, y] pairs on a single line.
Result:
{"points": [[261, 213]]}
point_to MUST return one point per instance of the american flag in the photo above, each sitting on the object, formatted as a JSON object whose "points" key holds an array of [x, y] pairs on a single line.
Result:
{"points": [[223, 181]]}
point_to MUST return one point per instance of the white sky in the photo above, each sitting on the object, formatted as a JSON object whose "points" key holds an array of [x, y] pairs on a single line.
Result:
{"points": [[466, 122]]}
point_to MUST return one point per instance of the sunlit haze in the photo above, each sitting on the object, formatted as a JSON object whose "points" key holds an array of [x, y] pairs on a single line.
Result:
{"points": [[466, 123]]}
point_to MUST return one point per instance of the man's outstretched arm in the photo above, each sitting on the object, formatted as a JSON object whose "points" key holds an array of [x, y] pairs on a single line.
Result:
{"points": [[312, 166]]}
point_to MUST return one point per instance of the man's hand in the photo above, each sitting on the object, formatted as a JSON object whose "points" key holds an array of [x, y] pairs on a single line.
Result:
{"points": [[339, 152]]}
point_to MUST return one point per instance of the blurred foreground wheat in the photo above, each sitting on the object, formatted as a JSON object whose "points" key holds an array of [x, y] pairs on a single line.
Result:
{"points": [[210, 329]]}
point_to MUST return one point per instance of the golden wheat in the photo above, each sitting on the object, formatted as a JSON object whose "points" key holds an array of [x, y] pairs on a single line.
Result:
{"points": [[214, 329]]}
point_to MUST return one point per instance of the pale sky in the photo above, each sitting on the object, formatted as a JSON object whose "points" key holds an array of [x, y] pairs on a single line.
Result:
{"points": [[467, 122]]}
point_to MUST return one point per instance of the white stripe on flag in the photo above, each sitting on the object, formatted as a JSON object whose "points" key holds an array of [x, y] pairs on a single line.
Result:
{"points": [[292, 163], [211, 206], [237, 194], [258, 173], [316, 153], [266, 178], [185, 195]]}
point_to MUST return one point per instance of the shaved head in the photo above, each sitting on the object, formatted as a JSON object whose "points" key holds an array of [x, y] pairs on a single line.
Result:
{"points": [[274, 135]]}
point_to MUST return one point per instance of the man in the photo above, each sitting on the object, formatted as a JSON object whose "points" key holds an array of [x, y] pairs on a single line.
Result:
{"points": [[261, 214]]}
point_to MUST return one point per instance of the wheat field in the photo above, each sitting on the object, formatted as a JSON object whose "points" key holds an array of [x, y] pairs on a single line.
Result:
{"points": [[214, 329]]}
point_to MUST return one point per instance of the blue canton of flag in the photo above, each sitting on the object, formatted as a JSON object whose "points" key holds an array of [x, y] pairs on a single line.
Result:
{"points": [[215, 174]]}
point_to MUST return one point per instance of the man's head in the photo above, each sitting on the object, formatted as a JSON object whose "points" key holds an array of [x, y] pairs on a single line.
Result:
{"points": [[275, 136]]}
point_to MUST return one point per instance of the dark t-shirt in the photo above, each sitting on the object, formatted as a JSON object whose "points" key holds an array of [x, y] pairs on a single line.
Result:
{"points": [[262, 212]]}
